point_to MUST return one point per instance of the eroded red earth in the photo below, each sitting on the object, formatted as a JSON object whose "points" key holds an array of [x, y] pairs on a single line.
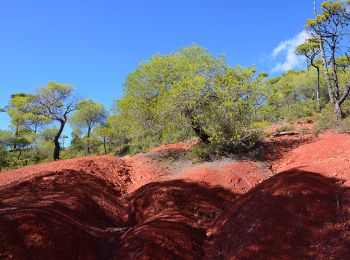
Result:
{"points": [[295, 204]]}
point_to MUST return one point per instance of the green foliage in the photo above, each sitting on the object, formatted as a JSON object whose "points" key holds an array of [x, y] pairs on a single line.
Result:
{"points": [[88, 115], [343, 62], [346, 108], [3, 157], [308, 120], [344, 126], [284, 128], [21, 113], [311, 50], [164, 96], [55, 102], [325, 120], [293, 96], [299, 110], [191, 92], [200, 153], [44, 151], [184, 95], [332, 31]]}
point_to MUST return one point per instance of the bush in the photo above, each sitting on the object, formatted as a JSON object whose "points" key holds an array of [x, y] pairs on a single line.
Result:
{"points": [[3, 156], [284, 128], [291, 112], [344, 126], [200, 152], [325, 120], [346, 107], [308, 120]]}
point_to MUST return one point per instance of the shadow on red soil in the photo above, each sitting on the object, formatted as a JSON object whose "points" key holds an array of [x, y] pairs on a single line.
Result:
{"points": [[293, 215], [73, 215], [62, 215], [272, 148]]}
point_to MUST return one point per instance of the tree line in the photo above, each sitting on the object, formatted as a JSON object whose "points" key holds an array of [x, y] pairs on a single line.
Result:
{"points": [[188, 94]]}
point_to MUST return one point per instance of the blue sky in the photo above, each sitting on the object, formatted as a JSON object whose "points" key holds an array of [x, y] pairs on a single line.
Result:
{"points": [[93, 45]]}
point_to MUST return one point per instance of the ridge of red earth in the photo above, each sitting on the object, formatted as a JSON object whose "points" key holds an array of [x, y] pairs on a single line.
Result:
{"points": [[329, 155], [139, 207]]}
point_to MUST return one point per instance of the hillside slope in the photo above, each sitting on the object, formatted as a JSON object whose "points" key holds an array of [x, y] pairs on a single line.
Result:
{"points": [[106, 207]]}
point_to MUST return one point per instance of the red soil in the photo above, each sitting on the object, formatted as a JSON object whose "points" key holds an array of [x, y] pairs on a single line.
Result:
{"points": [[328, 155], [106, 207], [108, 168], [177, 146], [235, 176]]}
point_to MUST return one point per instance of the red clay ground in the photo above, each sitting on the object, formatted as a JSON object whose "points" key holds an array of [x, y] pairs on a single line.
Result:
{"points": [[146, 207]]}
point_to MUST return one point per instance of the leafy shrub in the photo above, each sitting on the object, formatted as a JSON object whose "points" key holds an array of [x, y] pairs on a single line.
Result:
{"points": [[284, 128], [3, 157], [325, 120], [346, 107], [344, 125], [200, 152], [308, 120], [299, 110]]}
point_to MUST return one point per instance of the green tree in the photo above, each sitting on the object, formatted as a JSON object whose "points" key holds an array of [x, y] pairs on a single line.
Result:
{"points": [[22, 116], [87, 116], [174, 96], [55, 102], [234, 117], [292, 95], [3, 156], [5, 144], [331, 29], [168, 89], [112, 135]]}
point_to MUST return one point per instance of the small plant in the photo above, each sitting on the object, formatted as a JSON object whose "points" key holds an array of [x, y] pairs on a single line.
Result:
{"points": [[325, 120], [200, 153], [284, 128], [344, 126], [308, 120]]}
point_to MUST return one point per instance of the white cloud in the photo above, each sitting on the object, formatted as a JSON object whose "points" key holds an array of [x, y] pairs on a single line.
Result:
{"points": [[286, 51]]}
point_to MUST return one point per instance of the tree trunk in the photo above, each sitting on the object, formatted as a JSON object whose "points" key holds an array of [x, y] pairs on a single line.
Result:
{"points": [[318, 106], [15, 143], [104, 145], [333, 92], [88, 142], [56, 152], [197, 128], [337, 111], [19, 154], [200, 133]]}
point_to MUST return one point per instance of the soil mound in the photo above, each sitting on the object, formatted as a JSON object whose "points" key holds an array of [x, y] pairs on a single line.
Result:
{"points": [[170, 220], [108, 168], [293, 215], [329, 155], [60, 215]]}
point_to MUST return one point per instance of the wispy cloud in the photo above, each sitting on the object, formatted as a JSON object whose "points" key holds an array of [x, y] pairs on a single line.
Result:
{"points": [[285, 52]]}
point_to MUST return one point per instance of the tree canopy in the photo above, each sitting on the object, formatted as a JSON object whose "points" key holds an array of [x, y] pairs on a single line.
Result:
{"points": [[190, 92]]}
